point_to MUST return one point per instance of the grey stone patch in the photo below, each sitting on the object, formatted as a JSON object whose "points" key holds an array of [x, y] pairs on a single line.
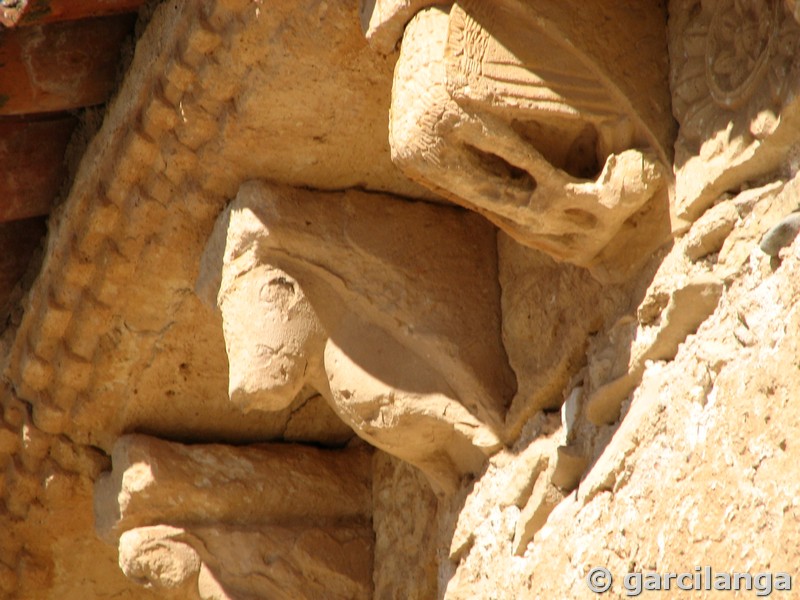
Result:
{"points": [[781, 235]]}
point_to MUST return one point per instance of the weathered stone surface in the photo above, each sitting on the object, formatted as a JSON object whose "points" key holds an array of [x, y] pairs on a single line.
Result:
{"points": [[314, 422], [762, 208], [496, 107], [781, 235], [698, 450], [544, 498], [794, 9], [545, 337], [188, 126], [156, 482], [112, 337], [489, 519], [156, 557], [383, 21], [46, 514], [540, 475], [619, 361], [695, 354], [313, 292], [225, 563], [284, 521], [711, 230], [405, 521], [734, 74]]}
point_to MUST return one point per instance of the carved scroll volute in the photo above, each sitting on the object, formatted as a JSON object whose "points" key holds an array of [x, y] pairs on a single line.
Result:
{"points": [[160, 558], [526, 114], [389, 309]]}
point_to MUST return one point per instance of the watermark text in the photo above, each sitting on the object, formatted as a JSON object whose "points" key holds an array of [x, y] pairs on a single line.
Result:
{"points": [[600, 580]]}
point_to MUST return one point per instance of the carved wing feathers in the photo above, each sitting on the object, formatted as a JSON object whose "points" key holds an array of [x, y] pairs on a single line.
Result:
{"points": [[536, 83], [540, 75]]}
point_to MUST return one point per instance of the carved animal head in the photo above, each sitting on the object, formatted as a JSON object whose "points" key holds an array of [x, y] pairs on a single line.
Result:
{"points": [[389, 309]]}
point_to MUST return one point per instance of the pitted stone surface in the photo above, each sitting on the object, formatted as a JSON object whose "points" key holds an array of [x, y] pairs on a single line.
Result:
{"points": [[678, 386]]}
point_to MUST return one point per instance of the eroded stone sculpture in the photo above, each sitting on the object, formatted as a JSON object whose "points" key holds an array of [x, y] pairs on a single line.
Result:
{"points": [[525, 114], [215, 522], [389, 309], [735, 73], [550, 311]]}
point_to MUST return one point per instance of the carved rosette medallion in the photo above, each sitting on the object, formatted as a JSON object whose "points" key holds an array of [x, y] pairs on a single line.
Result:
{"points": [[741, 41], [735, 68], [738, 55]]}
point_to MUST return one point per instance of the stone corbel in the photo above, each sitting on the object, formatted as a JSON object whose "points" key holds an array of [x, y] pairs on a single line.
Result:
{"points": [[227, 563], [524, 114], [214, 522], [389, 309]]}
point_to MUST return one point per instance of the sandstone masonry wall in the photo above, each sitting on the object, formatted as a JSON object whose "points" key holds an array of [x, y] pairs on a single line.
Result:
{"points": [[432, 309]]}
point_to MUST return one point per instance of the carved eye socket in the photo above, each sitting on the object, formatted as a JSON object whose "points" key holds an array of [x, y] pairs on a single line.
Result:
{"points": [[580, 217], [279, 290]]}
